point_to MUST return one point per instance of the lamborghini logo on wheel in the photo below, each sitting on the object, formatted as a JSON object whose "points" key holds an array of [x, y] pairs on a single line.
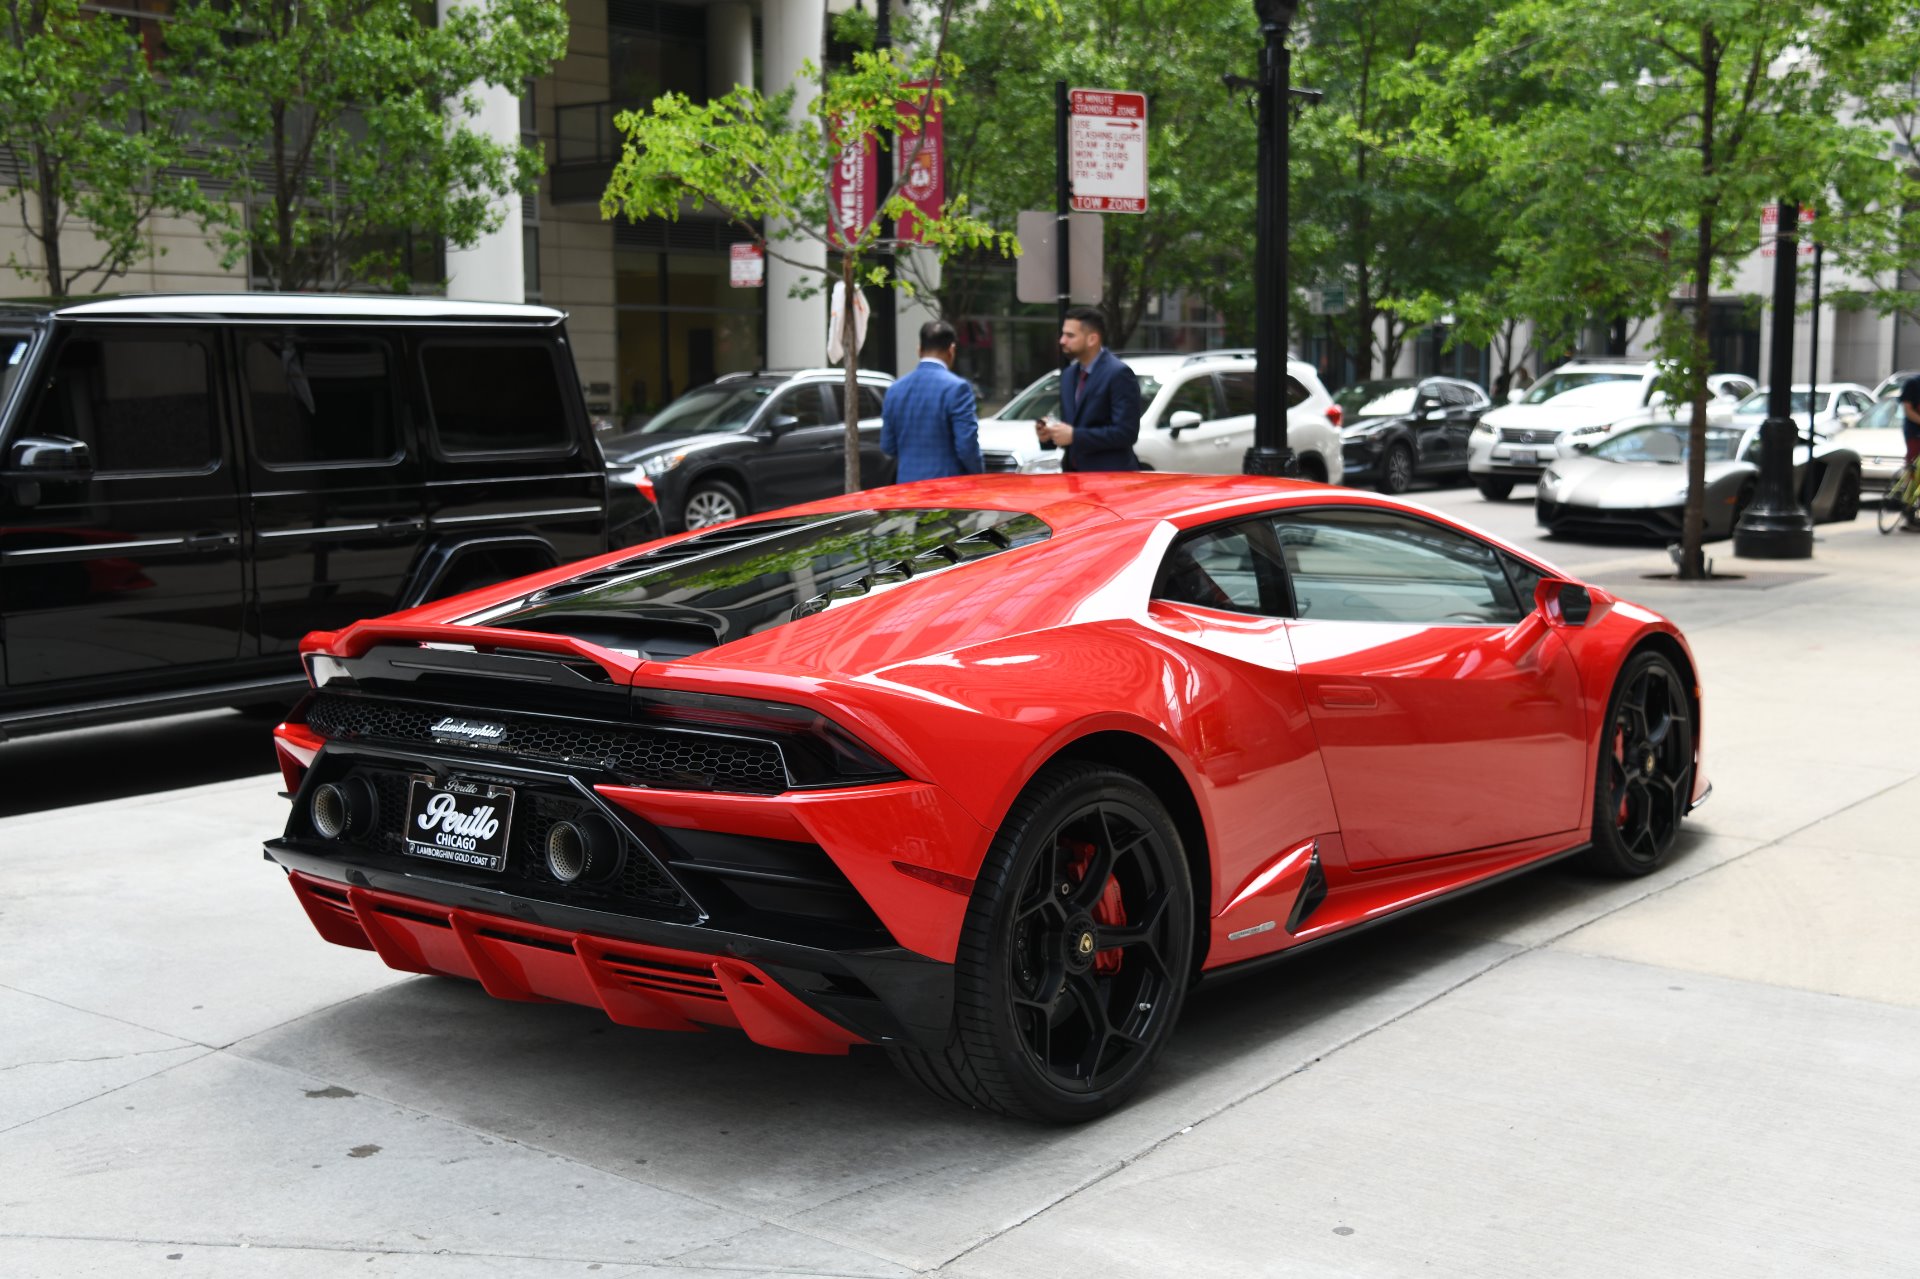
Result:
{"points": [[1086, 943]]}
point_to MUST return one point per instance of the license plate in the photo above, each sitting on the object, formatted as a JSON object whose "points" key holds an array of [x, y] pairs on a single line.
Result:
{"points": [[459, 822], [1523, 457]]}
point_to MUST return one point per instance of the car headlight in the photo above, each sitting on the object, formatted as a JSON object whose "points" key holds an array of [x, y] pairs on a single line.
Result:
{"points": [[1481, 428], [1549, 480], [661, 463]]}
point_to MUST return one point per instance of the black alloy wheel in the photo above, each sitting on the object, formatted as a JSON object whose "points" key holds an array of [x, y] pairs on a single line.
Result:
{"points": [[1645, 778], [1494, 488], [1396, 470], [1075, 957]]}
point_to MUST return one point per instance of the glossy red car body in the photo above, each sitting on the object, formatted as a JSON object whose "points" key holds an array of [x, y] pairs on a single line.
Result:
{"points": [[1415, 761]]}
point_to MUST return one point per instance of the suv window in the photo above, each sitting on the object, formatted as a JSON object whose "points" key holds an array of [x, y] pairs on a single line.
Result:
{"points": [[1238, 390], [803, 403], [869, 402], [13, 358], [1193, 396], [1373, 566], [495, 397], [140, 404], [319, 403]]}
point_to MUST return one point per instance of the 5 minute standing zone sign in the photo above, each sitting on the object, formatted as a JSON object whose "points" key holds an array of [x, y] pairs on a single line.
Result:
{"points": [[1107, 139]]}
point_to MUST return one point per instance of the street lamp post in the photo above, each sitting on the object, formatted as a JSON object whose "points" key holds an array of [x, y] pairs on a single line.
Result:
{"points": [[1270, 454], [1775, 526]]}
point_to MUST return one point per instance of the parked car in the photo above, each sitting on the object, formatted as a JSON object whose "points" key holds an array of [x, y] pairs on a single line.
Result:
{"points": [[1395, 430], [1581, 401], [1889, 387], [750, 442], [987, 771], [1879, 437], [1196, 415], [1836, 406], [193, 483], [1636, 482]]}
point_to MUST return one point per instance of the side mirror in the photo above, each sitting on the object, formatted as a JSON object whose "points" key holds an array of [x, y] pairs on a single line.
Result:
{"points": [[1583, 446], [777, 425], [1515, 394], [1184, 420], [51, 455], [1563, 603], [1433, 414]]}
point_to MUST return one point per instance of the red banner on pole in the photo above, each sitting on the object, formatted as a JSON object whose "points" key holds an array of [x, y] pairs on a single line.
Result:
{"points": [[921, 159], [851, 197]]}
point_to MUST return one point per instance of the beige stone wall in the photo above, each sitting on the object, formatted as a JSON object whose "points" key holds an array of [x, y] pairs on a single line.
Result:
{"points": [[180, 261], [576, 245]]}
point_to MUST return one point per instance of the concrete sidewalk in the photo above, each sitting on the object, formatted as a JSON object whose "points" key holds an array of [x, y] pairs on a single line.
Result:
{"points": [[1715, 1070]]}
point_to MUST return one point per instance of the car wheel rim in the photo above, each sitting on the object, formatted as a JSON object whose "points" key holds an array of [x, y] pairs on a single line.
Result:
{"points": [[709, 508], [1090, 968], [1399, 470], [1650, 764]]}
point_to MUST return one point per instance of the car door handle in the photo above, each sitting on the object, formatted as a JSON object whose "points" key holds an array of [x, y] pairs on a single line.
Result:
{"points": [[1347, 697], [400, 526], [212, 540]]}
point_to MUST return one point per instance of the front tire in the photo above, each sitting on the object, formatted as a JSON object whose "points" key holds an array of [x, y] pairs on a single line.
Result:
{"points": [[1846, 506], [1493, 488], [712, 502], [1396, 471], [1075, 957], [1645, 776]]}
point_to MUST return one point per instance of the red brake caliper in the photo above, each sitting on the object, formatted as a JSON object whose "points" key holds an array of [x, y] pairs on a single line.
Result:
{"points": [[1109, 911]]}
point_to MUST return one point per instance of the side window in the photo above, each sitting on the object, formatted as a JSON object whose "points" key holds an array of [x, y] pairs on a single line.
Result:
{"points": [[139, 403], [1374, 566], [1524, 577], [1192, 396], [1296, 393], [1230, 568], [1236, 394], [496, 397], [803, 404], [1454, 396], [319, 403], [870, 401]]}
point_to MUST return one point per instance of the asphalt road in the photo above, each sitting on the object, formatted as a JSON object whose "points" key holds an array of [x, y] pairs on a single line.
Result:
{"points": [[1706, 1072]]}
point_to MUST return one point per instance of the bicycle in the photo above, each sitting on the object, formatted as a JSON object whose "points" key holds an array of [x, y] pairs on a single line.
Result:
{"points": [[1903, 495]]}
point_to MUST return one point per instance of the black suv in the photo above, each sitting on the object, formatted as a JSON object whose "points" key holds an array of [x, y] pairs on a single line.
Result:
{"points": [[188, 485]]}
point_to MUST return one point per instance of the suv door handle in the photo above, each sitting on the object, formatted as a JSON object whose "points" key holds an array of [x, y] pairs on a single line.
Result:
{"points": [[212, 540], [404, 524]]}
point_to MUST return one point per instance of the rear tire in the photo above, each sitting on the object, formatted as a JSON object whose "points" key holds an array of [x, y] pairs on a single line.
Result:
{"points": [[1075, 956], [1493, 488], [1846, 507], [1644, 780]]}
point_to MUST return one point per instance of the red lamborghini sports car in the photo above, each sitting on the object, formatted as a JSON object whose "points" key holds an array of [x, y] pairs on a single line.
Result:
{"points": [[988, 772]]}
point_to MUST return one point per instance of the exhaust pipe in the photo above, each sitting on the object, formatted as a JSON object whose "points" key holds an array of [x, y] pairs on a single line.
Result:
{"points": [[586, 849], [340, 809]]}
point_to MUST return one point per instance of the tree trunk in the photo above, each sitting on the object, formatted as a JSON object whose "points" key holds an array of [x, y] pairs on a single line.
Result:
{"points": [[1692, 566], [850, 364], [49, 232]]}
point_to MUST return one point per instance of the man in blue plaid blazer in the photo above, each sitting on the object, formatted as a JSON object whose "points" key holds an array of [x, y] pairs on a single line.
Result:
{"points": [[928, 422]]}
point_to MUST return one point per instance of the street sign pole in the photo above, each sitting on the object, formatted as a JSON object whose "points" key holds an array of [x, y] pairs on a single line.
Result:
{"points": [[885, 352], [1774, 525], [1270, 454], [1062, 198]]}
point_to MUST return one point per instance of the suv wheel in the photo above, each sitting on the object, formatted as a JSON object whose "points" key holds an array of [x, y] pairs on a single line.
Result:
{"points": [[713, 502], [1494, 490]]}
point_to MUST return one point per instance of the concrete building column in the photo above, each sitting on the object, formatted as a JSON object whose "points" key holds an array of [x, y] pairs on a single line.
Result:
{"points": [[794, 32], [912, 312], [729, 47], [494, 269]]}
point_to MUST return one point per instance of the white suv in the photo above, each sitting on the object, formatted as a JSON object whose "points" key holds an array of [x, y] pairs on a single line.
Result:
{"points": [[1583, 401], [1196, 416]]}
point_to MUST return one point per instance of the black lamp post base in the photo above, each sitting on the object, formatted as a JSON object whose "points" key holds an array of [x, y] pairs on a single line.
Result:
{"points": [[1270, 461], [1785, 534]]}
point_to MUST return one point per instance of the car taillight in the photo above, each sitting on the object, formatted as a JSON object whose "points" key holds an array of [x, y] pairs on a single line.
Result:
{"points": [[818, 751], [645, 485], [1334, 414]]}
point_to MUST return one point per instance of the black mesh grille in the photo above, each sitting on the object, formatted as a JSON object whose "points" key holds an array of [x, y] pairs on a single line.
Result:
{"points": [[654, 756], [535, 812], [996, 462], [1528, 435]]}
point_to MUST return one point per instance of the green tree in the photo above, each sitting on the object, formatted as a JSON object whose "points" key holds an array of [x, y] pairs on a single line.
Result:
{"points": [[1368, 211], [1632, 181], [1198, 233], [341, 126], [749, 156], [92, 134]]}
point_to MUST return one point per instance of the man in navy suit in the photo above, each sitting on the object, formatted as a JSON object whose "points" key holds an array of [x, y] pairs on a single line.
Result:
{"points": [[928, 422], [1099, 400]]}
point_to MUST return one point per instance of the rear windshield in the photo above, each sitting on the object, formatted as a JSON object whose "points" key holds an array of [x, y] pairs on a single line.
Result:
{"points": [[734, 581], [1557, 384]]}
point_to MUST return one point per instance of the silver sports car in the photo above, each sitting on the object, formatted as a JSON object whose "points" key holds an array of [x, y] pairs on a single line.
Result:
{"points": [[1635, 483]]}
